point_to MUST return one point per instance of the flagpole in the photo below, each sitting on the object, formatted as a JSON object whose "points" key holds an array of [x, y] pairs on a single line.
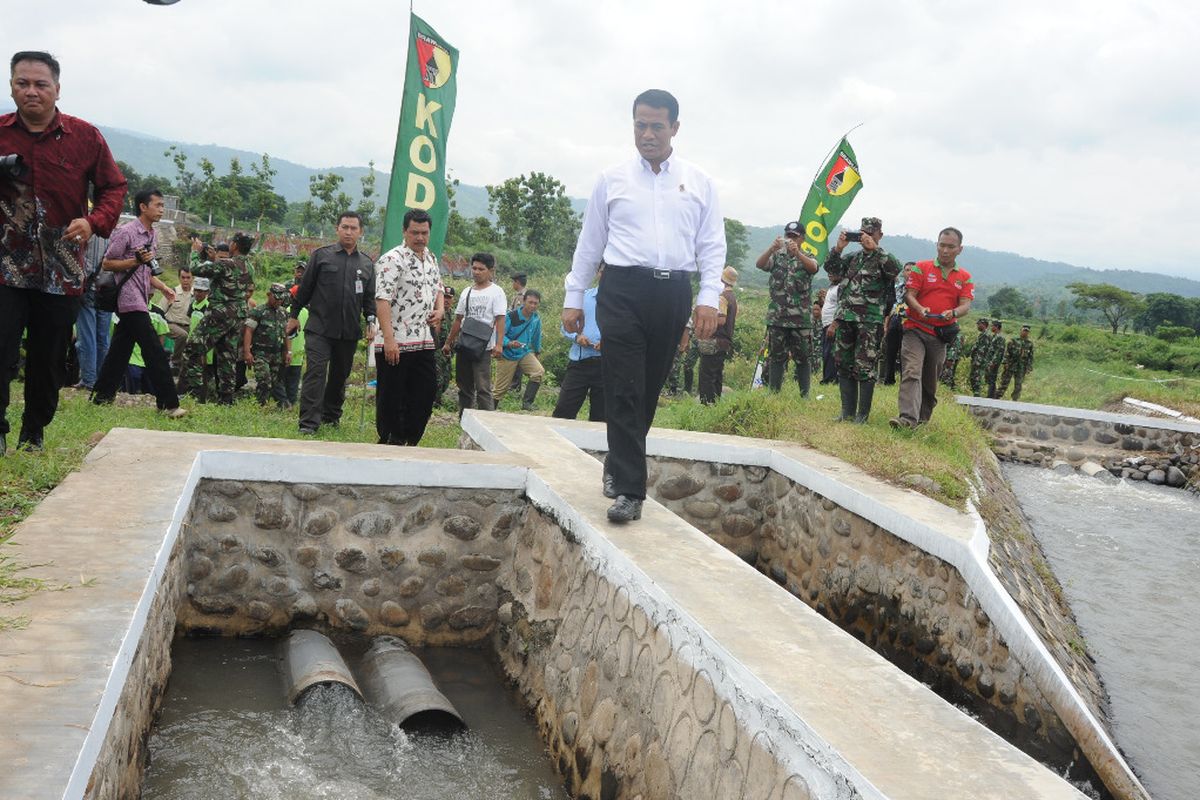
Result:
{"points": [[827, 155]]}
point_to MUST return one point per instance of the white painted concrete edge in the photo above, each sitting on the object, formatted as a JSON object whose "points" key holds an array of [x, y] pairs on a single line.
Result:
{"points": [[257, 466], [1079, 413], [118, 674], [971, 560], [755, 703], [1157, 409]]}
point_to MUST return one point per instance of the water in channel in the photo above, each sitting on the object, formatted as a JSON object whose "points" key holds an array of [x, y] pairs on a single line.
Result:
{"points": [[1128, 556], [226, 733]]}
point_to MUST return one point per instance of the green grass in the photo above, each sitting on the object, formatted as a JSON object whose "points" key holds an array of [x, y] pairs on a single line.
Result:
{"points": [[944, 450]]}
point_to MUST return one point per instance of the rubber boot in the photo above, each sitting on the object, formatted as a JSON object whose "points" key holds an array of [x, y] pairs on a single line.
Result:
{"points": [[775, 375], [531, 390], [803, 377], [848, 387], [866, 392]]}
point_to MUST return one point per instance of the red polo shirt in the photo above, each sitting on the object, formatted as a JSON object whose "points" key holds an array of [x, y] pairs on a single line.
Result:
{"points": [[936, 292]]}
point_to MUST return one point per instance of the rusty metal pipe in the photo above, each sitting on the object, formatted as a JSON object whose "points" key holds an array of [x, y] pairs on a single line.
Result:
{"points": [[399, 686], [309, 658]]}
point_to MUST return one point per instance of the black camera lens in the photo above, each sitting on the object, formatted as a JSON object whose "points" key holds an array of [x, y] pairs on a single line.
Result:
{"points": [[11, 165]]}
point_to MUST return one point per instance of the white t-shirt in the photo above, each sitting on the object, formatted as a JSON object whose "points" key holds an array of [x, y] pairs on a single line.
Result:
{"points": [[829, 310], [486, 305]]}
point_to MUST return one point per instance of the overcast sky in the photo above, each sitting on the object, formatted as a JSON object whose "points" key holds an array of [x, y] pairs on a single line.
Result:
{"points": [[1060, 130]]}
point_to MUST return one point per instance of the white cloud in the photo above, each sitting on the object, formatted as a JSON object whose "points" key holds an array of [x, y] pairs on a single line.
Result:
{"points": [[1065, 130]]}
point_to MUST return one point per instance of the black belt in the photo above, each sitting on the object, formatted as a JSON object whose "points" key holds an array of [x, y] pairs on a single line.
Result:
{"points": [[653, 272]]}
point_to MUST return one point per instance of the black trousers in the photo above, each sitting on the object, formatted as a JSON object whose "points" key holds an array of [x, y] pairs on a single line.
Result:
{"points": [[828, 361], [48, 319], [582, 378], [133, 327], [642, 319], [404, 396], [712, 378], [323, 390]]}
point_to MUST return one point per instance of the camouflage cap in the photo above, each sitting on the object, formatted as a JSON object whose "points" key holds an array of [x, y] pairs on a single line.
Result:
{"points": [[279, 290], [201, 284], [997, 323], [874, 223], [1024, 327], [982, 321]]}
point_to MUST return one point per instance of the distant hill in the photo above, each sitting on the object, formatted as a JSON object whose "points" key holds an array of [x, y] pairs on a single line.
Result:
{"points": [[991, 269]]}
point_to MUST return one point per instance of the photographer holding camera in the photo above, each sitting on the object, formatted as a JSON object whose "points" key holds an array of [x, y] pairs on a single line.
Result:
{"points": [[937, 293], [133, 251], [868, 280], [47, 161]]}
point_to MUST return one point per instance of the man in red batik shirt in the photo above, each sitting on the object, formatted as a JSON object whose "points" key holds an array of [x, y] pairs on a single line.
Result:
{"points": [[938, 293], [47, 162]]}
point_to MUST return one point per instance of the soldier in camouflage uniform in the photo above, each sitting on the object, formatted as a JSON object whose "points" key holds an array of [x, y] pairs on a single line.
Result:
{"points": [[221, 328], [978, 351], [1018, 362], [683, 365], [954, 352], [789, 315], [867, 288], [995, 357], [266, 347], [445, 369]]}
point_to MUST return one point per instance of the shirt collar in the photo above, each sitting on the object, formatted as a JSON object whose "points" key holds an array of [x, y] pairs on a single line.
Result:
{"points": [[14, 120], [665, 166]]}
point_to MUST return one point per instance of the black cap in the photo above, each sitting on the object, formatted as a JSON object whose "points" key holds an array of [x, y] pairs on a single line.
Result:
{"points": [[793, 229]]}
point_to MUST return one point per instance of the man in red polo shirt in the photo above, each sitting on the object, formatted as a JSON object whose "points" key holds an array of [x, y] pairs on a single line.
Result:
{"points": [[938, 294]]}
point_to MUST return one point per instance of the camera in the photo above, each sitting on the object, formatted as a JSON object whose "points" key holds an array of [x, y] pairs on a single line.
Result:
{"points": [[854, 236], [155, 268], [11, 166]]}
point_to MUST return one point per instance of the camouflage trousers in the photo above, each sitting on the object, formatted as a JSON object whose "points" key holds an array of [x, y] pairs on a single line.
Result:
{"points": [[993, 371], [683, 370], [268, 378], [220, 331], [784, 344], [445, 370], [978, 377], [1015, 374], [856, 345], [814, 349], [949, 376]]}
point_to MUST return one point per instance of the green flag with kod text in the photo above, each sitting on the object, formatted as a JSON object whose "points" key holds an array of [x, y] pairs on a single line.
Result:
{"points": [[832, 191], [419, 167]]}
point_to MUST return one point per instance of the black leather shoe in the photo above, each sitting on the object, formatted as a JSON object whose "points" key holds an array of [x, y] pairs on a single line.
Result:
{"points": [[30, 441], [626, 509], [610, 489]]}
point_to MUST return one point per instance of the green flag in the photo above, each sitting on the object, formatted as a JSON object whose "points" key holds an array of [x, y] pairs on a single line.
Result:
{"points": [[832, 191], [419, 167]]}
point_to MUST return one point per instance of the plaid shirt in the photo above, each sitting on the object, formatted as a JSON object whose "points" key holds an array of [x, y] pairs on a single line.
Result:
{"points": [[61, 163]]}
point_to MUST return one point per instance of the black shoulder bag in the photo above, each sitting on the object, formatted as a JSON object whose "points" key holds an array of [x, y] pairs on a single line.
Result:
{"points": [[473, 336]]}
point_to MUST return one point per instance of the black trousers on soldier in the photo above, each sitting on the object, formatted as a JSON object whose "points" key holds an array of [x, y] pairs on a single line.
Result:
{"points": [[133, 327], [404, 396], [48, 318], [642, 318], [323, 390]]}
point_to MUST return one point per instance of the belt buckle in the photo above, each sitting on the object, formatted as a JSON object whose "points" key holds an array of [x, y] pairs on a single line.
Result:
{"points": [[661, 274]]}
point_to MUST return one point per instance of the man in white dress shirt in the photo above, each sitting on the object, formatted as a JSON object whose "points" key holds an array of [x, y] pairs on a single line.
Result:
{"points": [[654, 221]]}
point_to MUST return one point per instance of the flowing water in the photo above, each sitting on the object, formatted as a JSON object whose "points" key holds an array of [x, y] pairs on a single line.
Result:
{"points": [[226, 732], [1128, 556]]}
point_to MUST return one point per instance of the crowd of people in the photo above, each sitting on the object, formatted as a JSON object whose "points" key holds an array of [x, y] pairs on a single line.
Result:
{"points": [[628, 313]]}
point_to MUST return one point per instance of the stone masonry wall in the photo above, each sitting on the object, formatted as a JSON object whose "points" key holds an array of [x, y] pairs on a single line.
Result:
{"points": [[118, 771], [912, 608], [414, 562], [1037, 438], [625, 712]]}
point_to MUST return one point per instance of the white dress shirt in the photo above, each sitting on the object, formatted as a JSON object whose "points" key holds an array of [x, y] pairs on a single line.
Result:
{"points": [[829, 309], [636, 218]]}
